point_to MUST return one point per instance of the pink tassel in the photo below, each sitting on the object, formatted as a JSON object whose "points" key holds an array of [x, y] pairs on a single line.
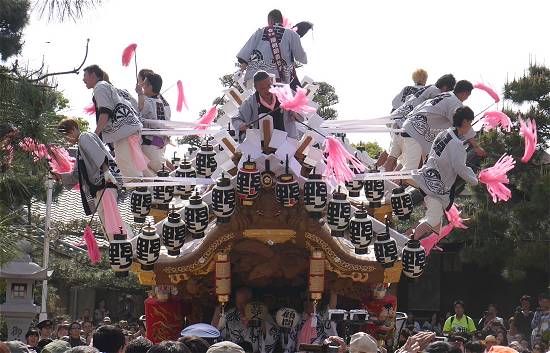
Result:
{"points": [[453, 216], [430, 241], [489, 90], [90, 109], [297, 103], [181, 97], [61, 161], [111, 214], [492, 119], [128, 53], [495, 177], [286, 23], [38, 151], [338, 161], [140, 160], [528, 129], [91, 245], [207, 118]]}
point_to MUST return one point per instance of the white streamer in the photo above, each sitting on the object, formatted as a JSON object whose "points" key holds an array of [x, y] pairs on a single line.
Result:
{"points": [[405, 174], [178, 132]]}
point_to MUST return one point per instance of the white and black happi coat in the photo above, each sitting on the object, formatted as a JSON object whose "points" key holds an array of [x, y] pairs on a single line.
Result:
{"points": [[446, 160], [431, 117], [123, 118], [257, 52]]}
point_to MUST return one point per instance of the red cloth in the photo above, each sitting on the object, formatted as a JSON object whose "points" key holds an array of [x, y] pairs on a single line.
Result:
{"points": [[163, 320]]}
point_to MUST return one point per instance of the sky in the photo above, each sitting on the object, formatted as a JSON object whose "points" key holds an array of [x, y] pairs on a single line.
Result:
{"points": [[366, 49]]}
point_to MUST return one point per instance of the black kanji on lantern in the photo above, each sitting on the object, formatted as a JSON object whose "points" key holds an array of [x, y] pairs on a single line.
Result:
{"points": [[248, 183], [287, 191], [374, 191], [338, 213], [148, 247], [120, 254], [173, 233], [140, 203], [185, 170], [413, 258], [196, 216], [162, 195], [385, 248], [315, 195], [205, 162], [354, 186], [401, 203], [360, 231], [223, 199]]}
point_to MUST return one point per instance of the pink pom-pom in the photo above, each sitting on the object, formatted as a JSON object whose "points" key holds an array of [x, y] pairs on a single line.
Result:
{"points": [[90, 109], [91, 245], [430, 241], [286, 23], [453, 216], [489, 90], [495, 177], [61, 161], [111, 214], [297, 103], [38, 151], [128, 53], [207, 118], [338, 161], [494, 118], [528, 129], [181, 97]]}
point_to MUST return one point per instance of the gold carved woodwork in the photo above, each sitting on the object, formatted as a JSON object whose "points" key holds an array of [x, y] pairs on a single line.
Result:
{"points": [[277, 236]]}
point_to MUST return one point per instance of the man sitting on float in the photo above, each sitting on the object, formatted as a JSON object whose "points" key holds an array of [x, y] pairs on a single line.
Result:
{"points": [[262, 102]]}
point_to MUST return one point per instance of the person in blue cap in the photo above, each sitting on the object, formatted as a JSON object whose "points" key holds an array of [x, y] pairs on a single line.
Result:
{"points": [[205, 331]]}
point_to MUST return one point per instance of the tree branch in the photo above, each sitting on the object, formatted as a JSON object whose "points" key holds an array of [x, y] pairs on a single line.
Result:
{"points": [[73, 71]]}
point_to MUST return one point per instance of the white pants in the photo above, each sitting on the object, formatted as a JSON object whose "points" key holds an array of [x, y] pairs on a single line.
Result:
{"points": [[124, 160], [156, 158], [396, 145], [434, 212], [412, 153]]}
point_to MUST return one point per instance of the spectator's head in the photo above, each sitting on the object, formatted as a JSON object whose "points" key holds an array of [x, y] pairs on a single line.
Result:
{"points": [[87, 327], [362, 343], [205, 331], [62, 330], [463, 89], [492, 308], [490, 341], [109, 339], [194, 343], [502, 349], [169, 347], [474, 347], [524, 344], [46, 326], [274, 17], [83, 349], [17, 347], [75, 329], [106, 320], [152, 84], [92, 75], [262, 84], [544, 301], [525, 302], [462, 121], [419, 77], [501, 338], [225, 347], [123, 324], [446, 82], [459, 339], [68, 127], [441, 347], [539, 348], [32, 336], [57, 346], [139, 345]]}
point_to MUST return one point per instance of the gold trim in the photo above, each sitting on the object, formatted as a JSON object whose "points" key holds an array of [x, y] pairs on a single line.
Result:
{"points": [[276, 235], [147, 278], [393, 274]]}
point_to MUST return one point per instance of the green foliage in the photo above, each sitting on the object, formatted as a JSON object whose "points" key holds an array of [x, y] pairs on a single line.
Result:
{"points": [[13, 18], [62, 10], [372, 148], [326, 97], [514, 235]]}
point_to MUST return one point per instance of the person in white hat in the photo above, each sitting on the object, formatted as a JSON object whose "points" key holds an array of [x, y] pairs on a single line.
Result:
{"points": [[362, 343]]}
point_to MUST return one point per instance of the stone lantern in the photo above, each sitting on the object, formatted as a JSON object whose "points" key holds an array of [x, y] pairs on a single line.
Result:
{"points": [[19, 308]]}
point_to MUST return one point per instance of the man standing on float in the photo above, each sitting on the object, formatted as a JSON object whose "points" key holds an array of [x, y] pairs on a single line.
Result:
{"points": [[272, 49]]}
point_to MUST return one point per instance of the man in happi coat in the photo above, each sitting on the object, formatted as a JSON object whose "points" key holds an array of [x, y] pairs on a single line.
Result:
{"points": [[262, 102], [273, 49], [313, 328], [444, 84], [117, 122], [91, 171], [446, 161], [262, 336], [431, 117], [419, 78], [151, 107]]}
